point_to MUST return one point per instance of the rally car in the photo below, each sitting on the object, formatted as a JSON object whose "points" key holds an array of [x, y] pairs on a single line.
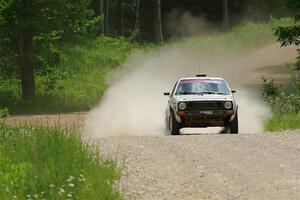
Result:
{"points": [[200, 102]]}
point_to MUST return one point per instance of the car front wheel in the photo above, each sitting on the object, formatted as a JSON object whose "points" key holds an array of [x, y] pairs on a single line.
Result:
{"points": [[234, 125], [173, 125]]}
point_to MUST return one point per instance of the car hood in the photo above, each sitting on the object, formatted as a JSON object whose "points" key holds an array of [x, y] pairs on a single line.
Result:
{"points": [[204, 97]]}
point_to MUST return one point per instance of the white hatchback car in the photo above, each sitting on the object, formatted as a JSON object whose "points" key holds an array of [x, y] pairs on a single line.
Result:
{"points": [[201, 102]]}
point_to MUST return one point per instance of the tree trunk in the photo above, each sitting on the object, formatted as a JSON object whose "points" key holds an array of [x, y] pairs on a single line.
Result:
{"points": [[27, 63], [101, 13], [121, 18], [137, 20], [225, 15], [107, 17], [157, 22]]}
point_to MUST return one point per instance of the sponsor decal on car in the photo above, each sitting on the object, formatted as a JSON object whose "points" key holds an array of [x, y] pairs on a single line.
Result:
{"points": [[206, 112]]}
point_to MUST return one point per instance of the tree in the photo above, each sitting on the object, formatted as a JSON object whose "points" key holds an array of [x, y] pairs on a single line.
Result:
{"points": [[225, 15], [26, 53], [157, 22], [290, 35], [28, 24], [121, 18], [100, 11], [137, 20], [107, 6], [102, 14]]}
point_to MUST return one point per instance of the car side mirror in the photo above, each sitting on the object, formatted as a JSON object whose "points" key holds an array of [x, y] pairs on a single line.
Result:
{"points": [[233, 91], [166, 93]]}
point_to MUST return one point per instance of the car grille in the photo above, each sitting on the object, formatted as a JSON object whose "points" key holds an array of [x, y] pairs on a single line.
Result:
{"points": [[205, 105]]}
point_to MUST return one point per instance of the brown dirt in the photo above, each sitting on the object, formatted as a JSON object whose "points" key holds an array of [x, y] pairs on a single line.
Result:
{"points": [[74, 120]]}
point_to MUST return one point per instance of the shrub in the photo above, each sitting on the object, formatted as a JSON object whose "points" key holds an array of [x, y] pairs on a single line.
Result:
{"points": [[268, 89], [284, 102], [281, 100], [3, 115]]}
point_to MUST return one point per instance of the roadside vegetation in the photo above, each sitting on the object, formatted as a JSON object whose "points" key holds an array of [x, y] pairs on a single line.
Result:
{"points": [[51, 163], [285, 100], [285, 104]]}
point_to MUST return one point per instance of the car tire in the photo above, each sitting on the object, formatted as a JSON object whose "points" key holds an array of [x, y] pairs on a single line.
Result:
{"points": [[173, 125], [234, 125]]}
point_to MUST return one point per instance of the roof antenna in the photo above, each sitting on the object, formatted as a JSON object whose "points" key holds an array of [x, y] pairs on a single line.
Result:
{"points": [[199, 70], [199, 66]]}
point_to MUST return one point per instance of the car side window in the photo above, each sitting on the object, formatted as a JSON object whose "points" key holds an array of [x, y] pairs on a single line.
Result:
{"points": [[173, 89]]}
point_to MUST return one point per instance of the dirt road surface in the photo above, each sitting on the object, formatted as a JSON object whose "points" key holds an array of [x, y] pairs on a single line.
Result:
{"points": [[208, 166], [74, 121]]}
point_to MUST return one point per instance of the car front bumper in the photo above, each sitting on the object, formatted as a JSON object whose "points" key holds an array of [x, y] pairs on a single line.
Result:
{"points": [[204, 118]]}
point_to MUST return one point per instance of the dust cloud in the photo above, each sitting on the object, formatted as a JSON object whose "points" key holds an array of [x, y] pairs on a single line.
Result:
{"points": [[134, 103], [182, 23]]}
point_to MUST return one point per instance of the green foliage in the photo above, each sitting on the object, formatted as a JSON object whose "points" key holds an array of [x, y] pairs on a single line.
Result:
{"points": [[42, 163], [40, 23], [3, 5], [285, 104], [281, 99], [77, 83], [286, 121], [4, 113], [12, 178], [49, 20], [269, 90], [290, 35], [9, 90]]}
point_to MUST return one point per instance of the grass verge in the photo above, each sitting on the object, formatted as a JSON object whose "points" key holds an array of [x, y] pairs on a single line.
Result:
{"points": [[287, 121], [43, 163]]}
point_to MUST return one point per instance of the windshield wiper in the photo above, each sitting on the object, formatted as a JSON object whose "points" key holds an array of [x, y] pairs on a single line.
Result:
{"points": [[210, 92], [189, 93], [199, 93]]}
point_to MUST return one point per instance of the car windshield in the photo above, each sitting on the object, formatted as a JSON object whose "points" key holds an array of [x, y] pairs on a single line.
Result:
{"points": [[202, 86]]}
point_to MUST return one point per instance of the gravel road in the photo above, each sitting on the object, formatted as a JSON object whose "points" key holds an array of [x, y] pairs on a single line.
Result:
{"points": [[207, 166], [200, 166]]}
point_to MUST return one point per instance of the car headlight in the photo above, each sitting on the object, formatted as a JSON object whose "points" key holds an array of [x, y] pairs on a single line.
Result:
{"points": [[182, 106], [228, 105]]}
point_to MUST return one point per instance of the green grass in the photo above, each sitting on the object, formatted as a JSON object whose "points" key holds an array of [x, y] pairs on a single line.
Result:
{"points": [[287, 121], [43, 163]]}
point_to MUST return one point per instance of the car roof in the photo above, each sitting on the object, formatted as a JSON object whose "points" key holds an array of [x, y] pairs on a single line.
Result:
{"points": [[201, 78]]}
